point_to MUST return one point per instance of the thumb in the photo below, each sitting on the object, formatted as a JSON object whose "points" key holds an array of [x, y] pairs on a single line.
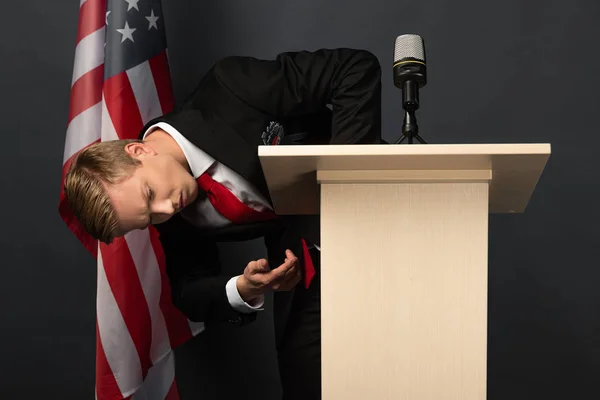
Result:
{"points": [[261, 265]]}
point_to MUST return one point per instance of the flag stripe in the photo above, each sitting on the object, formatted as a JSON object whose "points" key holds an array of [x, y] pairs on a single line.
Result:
{"points": [[144, 91], [117, 343], [83, 130], [89, 54], [86, 92], [148, 273], [137, 323], [122, 107], [108, 130], [173, 392], [159, 64], [177, 326], [92, 15], [159, 380], [106, 385], [129, 296]]}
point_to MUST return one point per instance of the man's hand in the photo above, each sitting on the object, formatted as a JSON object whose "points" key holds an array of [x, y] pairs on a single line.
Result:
{"points": [[259, 279]]}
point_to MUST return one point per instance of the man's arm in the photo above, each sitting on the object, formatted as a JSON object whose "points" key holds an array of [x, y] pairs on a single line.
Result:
{"points": [[300, 83], [199, 290]]}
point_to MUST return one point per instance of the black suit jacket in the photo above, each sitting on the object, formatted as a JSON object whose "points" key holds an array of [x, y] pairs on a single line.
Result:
{"points": [[326, 96]]}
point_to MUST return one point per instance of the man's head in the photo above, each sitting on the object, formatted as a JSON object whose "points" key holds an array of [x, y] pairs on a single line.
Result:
{"points": [[114, 187]]}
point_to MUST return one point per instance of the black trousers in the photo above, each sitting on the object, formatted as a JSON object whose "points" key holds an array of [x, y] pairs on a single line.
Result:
{"points": [[297, 323]]}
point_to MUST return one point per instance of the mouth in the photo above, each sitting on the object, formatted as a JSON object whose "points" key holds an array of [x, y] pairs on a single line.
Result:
{"points": [[181, 201]]}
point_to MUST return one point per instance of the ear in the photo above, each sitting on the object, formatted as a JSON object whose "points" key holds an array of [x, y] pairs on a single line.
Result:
{"points": [[137, 150]]}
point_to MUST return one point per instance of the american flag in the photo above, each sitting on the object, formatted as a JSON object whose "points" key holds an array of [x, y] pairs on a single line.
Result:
{"points": [[121, 81]]}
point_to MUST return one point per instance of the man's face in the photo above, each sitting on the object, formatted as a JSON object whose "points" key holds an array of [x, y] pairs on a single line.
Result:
{"points": [[157, 190]]}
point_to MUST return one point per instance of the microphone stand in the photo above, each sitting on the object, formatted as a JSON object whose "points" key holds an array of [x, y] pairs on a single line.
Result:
{"points": [[410, 103], [410, 129]]}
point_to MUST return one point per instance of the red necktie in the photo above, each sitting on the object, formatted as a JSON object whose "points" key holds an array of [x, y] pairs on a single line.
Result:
{"points": [[236, 211]]}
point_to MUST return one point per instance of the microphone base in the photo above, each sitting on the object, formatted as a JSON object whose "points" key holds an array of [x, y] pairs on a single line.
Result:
{"points": [[411, 139], [410, 129]]}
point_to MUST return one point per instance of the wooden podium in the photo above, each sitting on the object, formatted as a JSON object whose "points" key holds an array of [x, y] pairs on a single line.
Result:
{"points": [[404, 252]]}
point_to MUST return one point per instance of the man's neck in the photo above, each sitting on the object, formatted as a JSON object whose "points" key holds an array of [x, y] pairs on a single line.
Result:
{"points": [[163, 143]]}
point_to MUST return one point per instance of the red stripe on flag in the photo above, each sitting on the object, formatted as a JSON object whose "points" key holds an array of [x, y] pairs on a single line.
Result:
{"points": [[159, 65], [122, 106], [86, 92], [92, 16], [127, 289], [106, 384], [177, 324], [66, 214], [173, 392]]}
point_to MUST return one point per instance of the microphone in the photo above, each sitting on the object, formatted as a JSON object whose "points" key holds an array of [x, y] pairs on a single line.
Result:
{"points": [[410, 74]]}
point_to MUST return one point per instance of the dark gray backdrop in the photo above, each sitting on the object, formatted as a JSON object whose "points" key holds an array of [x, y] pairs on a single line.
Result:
{"points": [[509, 71]]}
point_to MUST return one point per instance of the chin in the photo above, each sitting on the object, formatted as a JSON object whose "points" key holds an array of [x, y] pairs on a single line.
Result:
{"points": [[192, 198]]}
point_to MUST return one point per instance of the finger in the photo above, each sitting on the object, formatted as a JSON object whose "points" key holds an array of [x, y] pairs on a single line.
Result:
{"points": [[258, 267], [263, 264], [292, 272], [289, 281], [279, 272], [283, 280], [289, 254]]}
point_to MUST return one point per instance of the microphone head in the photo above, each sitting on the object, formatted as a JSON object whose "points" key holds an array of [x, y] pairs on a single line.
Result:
{"points": [[409, 46], [409, 61]]}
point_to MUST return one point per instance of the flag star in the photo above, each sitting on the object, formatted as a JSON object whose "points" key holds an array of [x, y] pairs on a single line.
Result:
{"points": [[106, 20], [132, 4], [127, 32], [152, 20]]}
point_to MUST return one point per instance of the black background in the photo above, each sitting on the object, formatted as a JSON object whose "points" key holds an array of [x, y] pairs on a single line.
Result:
{"points": [[503, 71]]}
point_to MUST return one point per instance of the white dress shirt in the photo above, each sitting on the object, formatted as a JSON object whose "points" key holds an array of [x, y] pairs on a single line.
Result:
{"points": [[201, 210]]}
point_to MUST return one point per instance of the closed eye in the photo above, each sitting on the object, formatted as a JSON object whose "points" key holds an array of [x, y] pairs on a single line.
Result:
{"points": [[149, 195]]}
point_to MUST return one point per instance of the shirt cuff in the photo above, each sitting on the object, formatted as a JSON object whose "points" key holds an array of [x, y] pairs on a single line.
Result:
{"points": [[238, 303]]}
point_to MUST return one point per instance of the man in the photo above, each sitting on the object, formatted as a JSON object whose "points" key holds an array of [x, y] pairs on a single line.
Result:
{"points": [[182, 173]]}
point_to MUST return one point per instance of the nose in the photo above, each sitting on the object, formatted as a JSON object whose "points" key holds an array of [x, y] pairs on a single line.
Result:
{"points": [[163, 207]]}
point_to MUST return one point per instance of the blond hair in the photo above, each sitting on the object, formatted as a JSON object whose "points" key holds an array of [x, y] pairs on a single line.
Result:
{"points": [[94, 167]]}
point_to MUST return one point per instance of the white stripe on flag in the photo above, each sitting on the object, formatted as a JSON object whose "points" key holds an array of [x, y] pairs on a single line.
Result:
{"points": [[159, 380], [144, 90], [89, 54], [108, 128], [83, 130], [117, 343], [148, 271], [81, 2]]}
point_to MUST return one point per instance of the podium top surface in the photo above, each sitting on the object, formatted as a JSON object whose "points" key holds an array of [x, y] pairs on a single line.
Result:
{"points": [[290, 171]]}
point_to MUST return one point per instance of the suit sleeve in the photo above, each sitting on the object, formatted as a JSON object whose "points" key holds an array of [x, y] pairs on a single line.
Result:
{"points": [[300, 83], [198, 289]]}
